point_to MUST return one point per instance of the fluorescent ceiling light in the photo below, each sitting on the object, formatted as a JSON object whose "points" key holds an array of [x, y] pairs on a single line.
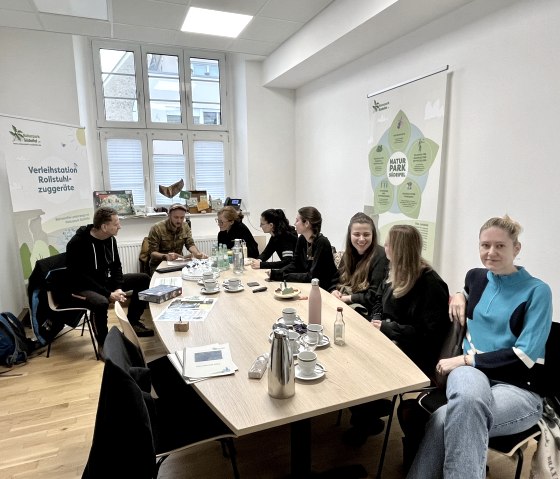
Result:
{"points": [[75, 8], [214, 22]]}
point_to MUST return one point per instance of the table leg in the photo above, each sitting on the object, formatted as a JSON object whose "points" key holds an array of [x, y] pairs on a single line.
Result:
{"points": [[300, 449]]}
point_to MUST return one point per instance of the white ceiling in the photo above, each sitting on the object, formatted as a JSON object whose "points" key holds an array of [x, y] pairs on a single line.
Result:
{"points": [[298, 39]]}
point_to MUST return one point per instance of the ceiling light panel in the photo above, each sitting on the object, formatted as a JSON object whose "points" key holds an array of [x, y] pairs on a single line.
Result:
{"points": [[75, 8], [214, 22]]}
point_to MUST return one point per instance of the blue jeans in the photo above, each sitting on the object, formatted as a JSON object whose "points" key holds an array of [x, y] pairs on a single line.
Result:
{"points": [[455, 445]]}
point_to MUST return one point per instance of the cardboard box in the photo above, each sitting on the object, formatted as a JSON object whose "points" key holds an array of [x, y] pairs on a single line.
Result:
{"points": [[160, 293]]}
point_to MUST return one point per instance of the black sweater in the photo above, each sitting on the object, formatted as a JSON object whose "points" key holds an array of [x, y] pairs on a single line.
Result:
{"points": [[418, 321], [377, 273], [302, 269], [239, 231], [283, 245]]}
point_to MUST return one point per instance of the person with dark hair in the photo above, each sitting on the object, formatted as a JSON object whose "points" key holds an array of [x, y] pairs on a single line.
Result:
{"points": [[282, 241], [95, 270], [231, 228], [167, 238], [313, 257], [362, 268], [411, 309], [491, 388]]}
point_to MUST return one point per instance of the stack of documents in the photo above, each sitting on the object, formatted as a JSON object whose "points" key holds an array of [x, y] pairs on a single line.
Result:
{"points": [[204, 362]]}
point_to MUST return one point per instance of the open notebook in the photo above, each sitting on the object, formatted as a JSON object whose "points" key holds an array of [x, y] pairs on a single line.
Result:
{"points": [[203, 362]]}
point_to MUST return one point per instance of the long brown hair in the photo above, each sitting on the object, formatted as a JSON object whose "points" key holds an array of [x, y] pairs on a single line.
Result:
{"points": [[354, 268], [406, 264]]}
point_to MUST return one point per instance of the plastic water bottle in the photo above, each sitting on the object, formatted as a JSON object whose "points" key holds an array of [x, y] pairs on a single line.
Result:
{"points": [[238, 266], [315, 304], [214, 256]]}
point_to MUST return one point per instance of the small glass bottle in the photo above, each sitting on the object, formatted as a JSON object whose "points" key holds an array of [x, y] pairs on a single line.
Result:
{"points": [[339, 328], [315, 306]]}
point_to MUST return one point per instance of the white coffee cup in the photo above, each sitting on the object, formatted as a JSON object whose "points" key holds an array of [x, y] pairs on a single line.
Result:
{"points": [[289, 315], [293, 337], [210, 284], [316, 329], [207, 275], [307, 360], [234, 283]]}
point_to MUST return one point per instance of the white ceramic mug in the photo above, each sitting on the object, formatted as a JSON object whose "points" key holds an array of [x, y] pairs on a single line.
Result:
{"points": [[307, 360], [234, 283], [210, 284], [289, 315], [316, 329], [207, 275]]}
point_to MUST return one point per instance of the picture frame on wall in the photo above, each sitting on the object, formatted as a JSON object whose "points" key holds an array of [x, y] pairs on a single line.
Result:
{"points": [[120, 200]]}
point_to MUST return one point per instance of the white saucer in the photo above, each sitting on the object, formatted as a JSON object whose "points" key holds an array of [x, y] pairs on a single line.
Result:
{"points": [[324, 342], [297, 321], [204, 291], [319, 372], [229, 290]]}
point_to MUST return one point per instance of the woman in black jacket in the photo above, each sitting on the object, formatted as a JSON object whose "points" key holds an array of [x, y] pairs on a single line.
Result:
{"points": [[231, 228], [282, 241], [313, 257], [362, 267]]}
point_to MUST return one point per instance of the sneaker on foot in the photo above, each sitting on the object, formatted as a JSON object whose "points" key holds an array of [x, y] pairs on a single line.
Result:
{"points": [[141, 330]]}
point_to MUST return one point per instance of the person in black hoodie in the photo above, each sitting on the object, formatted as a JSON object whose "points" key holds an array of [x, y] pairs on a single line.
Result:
{"points": [[282, 241], [95, 271]]}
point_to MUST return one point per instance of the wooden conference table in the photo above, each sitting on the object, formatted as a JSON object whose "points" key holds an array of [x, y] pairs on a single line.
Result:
{"points": [[369, 366]]}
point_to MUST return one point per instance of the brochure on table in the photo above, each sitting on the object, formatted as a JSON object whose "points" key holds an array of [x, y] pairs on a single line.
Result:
{"points": [[188, 308]]}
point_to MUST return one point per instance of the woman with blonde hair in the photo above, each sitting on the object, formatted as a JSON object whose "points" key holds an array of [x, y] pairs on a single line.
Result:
{"points": [[231, 228], [492, 389], [412, 310], [412, 307]]}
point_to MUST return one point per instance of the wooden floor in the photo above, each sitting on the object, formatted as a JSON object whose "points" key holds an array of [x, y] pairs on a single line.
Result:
{"points": [[47, 413]]}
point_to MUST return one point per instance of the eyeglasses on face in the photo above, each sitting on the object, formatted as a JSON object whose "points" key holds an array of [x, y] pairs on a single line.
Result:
{"points": [[222, 222]]}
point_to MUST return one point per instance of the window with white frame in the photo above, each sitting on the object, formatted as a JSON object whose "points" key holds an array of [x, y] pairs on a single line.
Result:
{"points": [[161, 119]]}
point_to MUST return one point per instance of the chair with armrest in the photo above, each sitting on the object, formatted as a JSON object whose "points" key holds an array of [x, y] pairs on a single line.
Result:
{"points": [[514, 444]]}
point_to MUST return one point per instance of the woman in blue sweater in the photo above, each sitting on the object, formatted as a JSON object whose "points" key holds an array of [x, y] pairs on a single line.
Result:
{"points": [[489, 388], [282, 241]]}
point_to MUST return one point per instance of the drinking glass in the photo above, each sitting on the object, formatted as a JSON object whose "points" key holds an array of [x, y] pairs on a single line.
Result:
{"points": [[310, 341]]}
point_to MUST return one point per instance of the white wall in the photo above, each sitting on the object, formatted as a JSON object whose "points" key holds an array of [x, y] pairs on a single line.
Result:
{"points": [[500, 152], [37, 81]]}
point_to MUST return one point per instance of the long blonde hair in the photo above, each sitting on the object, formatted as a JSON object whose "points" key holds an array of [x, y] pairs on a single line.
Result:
{"points": [[406, 264]]}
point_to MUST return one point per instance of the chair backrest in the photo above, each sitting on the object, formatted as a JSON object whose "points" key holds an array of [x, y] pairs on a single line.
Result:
{"points": [[128, 330], [123, 428]]}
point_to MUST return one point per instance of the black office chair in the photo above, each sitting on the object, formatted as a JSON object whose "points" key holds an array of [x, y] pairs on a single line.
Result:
{"points": [[139, 431], [514, 444]]}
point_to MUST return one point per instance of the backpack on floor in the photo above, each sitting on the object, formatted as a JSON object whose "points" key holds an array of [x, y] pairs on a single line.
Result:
{"points": [[14, 344]]}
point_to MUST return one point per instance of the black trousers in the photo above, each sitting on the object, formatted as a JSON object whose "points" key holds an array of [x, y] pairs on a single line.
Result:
{"points": [[99, 304]]}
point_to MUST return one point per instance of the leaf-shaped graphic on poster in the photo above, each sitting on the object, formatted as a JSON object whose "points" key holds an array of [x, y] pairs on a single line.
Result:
{"points": [[409, 198], [421, 156], [378, 158], [384, 195], [399, 133]]}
